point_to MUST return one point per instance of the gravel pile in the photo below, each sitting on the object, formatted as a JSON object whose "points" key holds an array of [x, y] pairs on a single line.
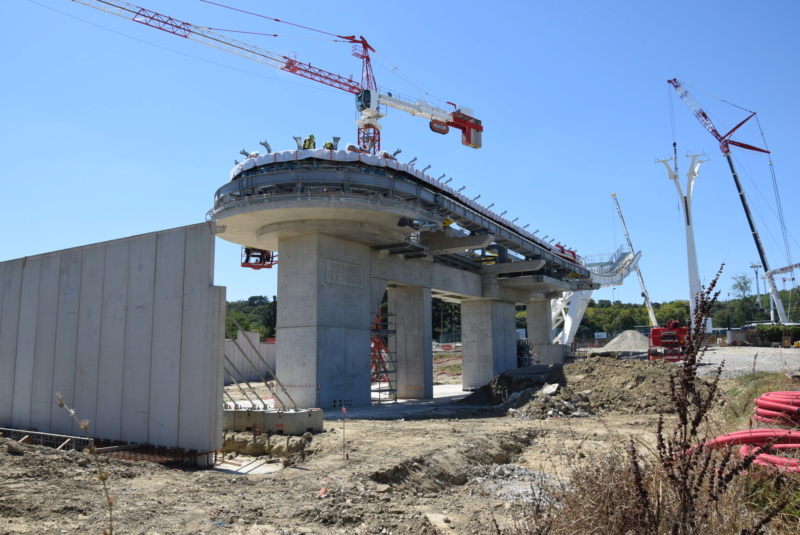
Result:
{"points": [[626, 342]]}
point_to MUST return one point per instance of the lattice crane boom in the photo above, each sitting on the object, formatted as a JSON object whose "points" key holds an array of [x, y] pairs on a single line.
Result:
{"points": [[645, 295], [724, 144], [368, 98]]}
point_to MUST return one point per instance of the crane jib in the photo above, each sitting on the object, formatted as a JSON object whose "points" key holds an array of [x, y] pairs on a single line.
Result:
{"points": [[369, 135]]}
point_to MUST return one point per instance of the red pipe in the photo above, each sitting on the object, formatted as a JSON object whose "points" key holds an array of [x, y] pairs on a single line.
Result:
{"points": [[774, 439]]}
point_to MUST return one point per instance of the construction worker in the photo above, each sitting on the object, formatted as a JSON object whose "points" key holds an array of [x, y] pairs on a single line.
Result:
{"points": [[309, 143], [328, 145]]}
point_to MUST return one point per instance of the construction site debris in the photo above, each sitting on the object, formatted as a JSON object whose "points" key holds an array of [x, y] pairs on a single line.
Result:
{"points": [[14, 447]]}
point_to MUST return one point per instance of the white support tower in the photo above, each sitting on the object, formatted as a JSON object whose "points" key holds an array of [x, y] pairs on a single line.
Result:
{"points": [[691, 251]]}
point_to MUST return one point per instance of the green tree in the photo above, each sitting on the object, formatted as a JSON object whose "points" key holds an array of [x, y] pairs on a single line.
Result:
{"points": [[741, 287], [446, 319], [256, 314]]}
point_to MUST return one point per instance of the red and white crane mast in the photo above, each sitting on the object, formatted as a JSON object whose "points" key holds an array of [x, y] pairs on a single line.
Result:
{"points": [[368, 98]]}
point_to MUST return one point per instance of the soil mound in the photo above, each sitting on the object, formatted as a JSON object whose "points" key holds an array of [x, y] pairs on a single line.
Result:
{"points": [[627, 342], [591, 386], [626, 386]]}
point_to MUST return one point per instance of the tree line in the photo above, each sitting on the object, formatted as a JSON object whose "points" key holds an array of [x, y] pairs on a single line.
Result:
{"points": [[259, 313]]}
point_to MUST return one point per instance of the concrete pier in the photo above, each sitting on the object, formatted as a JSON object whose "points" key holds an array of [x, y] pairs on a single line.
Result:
{"points": [[488, 340], [325, 313], [410, 308]]}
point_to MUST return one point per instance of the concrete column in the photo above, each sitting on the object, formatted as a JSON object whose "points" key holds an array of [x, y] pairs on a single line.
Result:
{"points": [[489, 340], [540, 333], [411, 310], [325, 311]]}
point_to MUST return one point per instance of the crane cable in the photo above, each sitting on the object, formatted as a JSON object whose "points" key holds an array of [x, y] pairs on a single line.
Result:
{"points": [[784, 230], [389, 66], [779, 214], [268, 18], [670, 97]]}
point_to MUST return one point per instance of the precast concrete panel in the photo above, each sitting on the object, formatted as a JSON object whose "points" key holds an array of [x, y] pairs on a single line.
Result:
{"points": [[11, 280], [103, 324], [216, 362], [26, 343], [46, 324], [241, 353], [90, 315], [112, 339], [198, 313], [165, 369], [138, 337], [69, 288]]}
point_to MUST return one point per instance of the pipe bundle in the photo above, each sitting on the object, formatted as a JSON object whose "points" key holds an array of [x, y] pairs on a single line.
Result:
{"points": [[779, 408]]}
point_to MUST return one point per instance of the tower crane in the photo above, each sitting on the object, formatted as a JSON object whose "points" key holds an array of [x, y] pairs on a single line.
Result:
{"points": [[370, 102], [650, 313], [725, 142]]}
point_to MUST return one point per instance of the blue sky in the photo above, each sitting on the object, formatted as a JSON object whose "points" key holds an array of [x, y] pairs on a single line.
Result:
{"points": [[112, 129]]}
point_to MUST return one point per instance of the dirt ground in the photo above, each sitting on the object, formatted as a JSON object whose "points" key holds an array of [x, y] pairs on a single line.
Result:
{"points": [[448, 474]]}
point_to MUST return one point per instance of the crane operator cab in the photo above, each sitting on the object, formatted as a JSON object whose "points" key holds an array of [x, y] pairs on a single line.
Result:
{"points": [[364, 101]]}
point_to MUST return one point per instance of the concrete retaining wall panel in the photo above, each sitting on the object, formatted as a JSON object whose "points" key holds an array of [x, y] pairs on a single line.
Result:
{"points": [[26, 342], [165, 367], [198, 313], [103, 324], [46, 324], [112, 339], [216, 361], [90, 315], [138, 337], [69, 288], [11, 280], [239, 357]]}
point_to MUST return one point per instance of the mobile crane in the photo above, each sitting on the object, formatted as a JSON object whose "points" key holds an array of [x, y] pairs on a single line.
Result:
{"points": [[650, 313], [725, 142], [369, 100]]}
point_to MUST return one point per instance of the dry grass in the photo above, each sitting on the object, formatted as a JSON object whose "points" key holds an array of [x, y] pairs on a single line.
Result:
{"points": [[675, 488]]}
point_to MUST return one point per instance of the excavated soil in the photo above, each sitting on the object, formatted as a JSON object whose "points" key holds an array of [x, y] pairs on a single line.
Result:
{"points": [[424, 476]]}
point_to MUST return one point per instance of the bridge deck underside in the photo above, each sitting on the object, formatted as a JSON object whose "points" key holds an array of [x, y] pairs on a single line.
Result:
{"points": [[305, 180]]}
